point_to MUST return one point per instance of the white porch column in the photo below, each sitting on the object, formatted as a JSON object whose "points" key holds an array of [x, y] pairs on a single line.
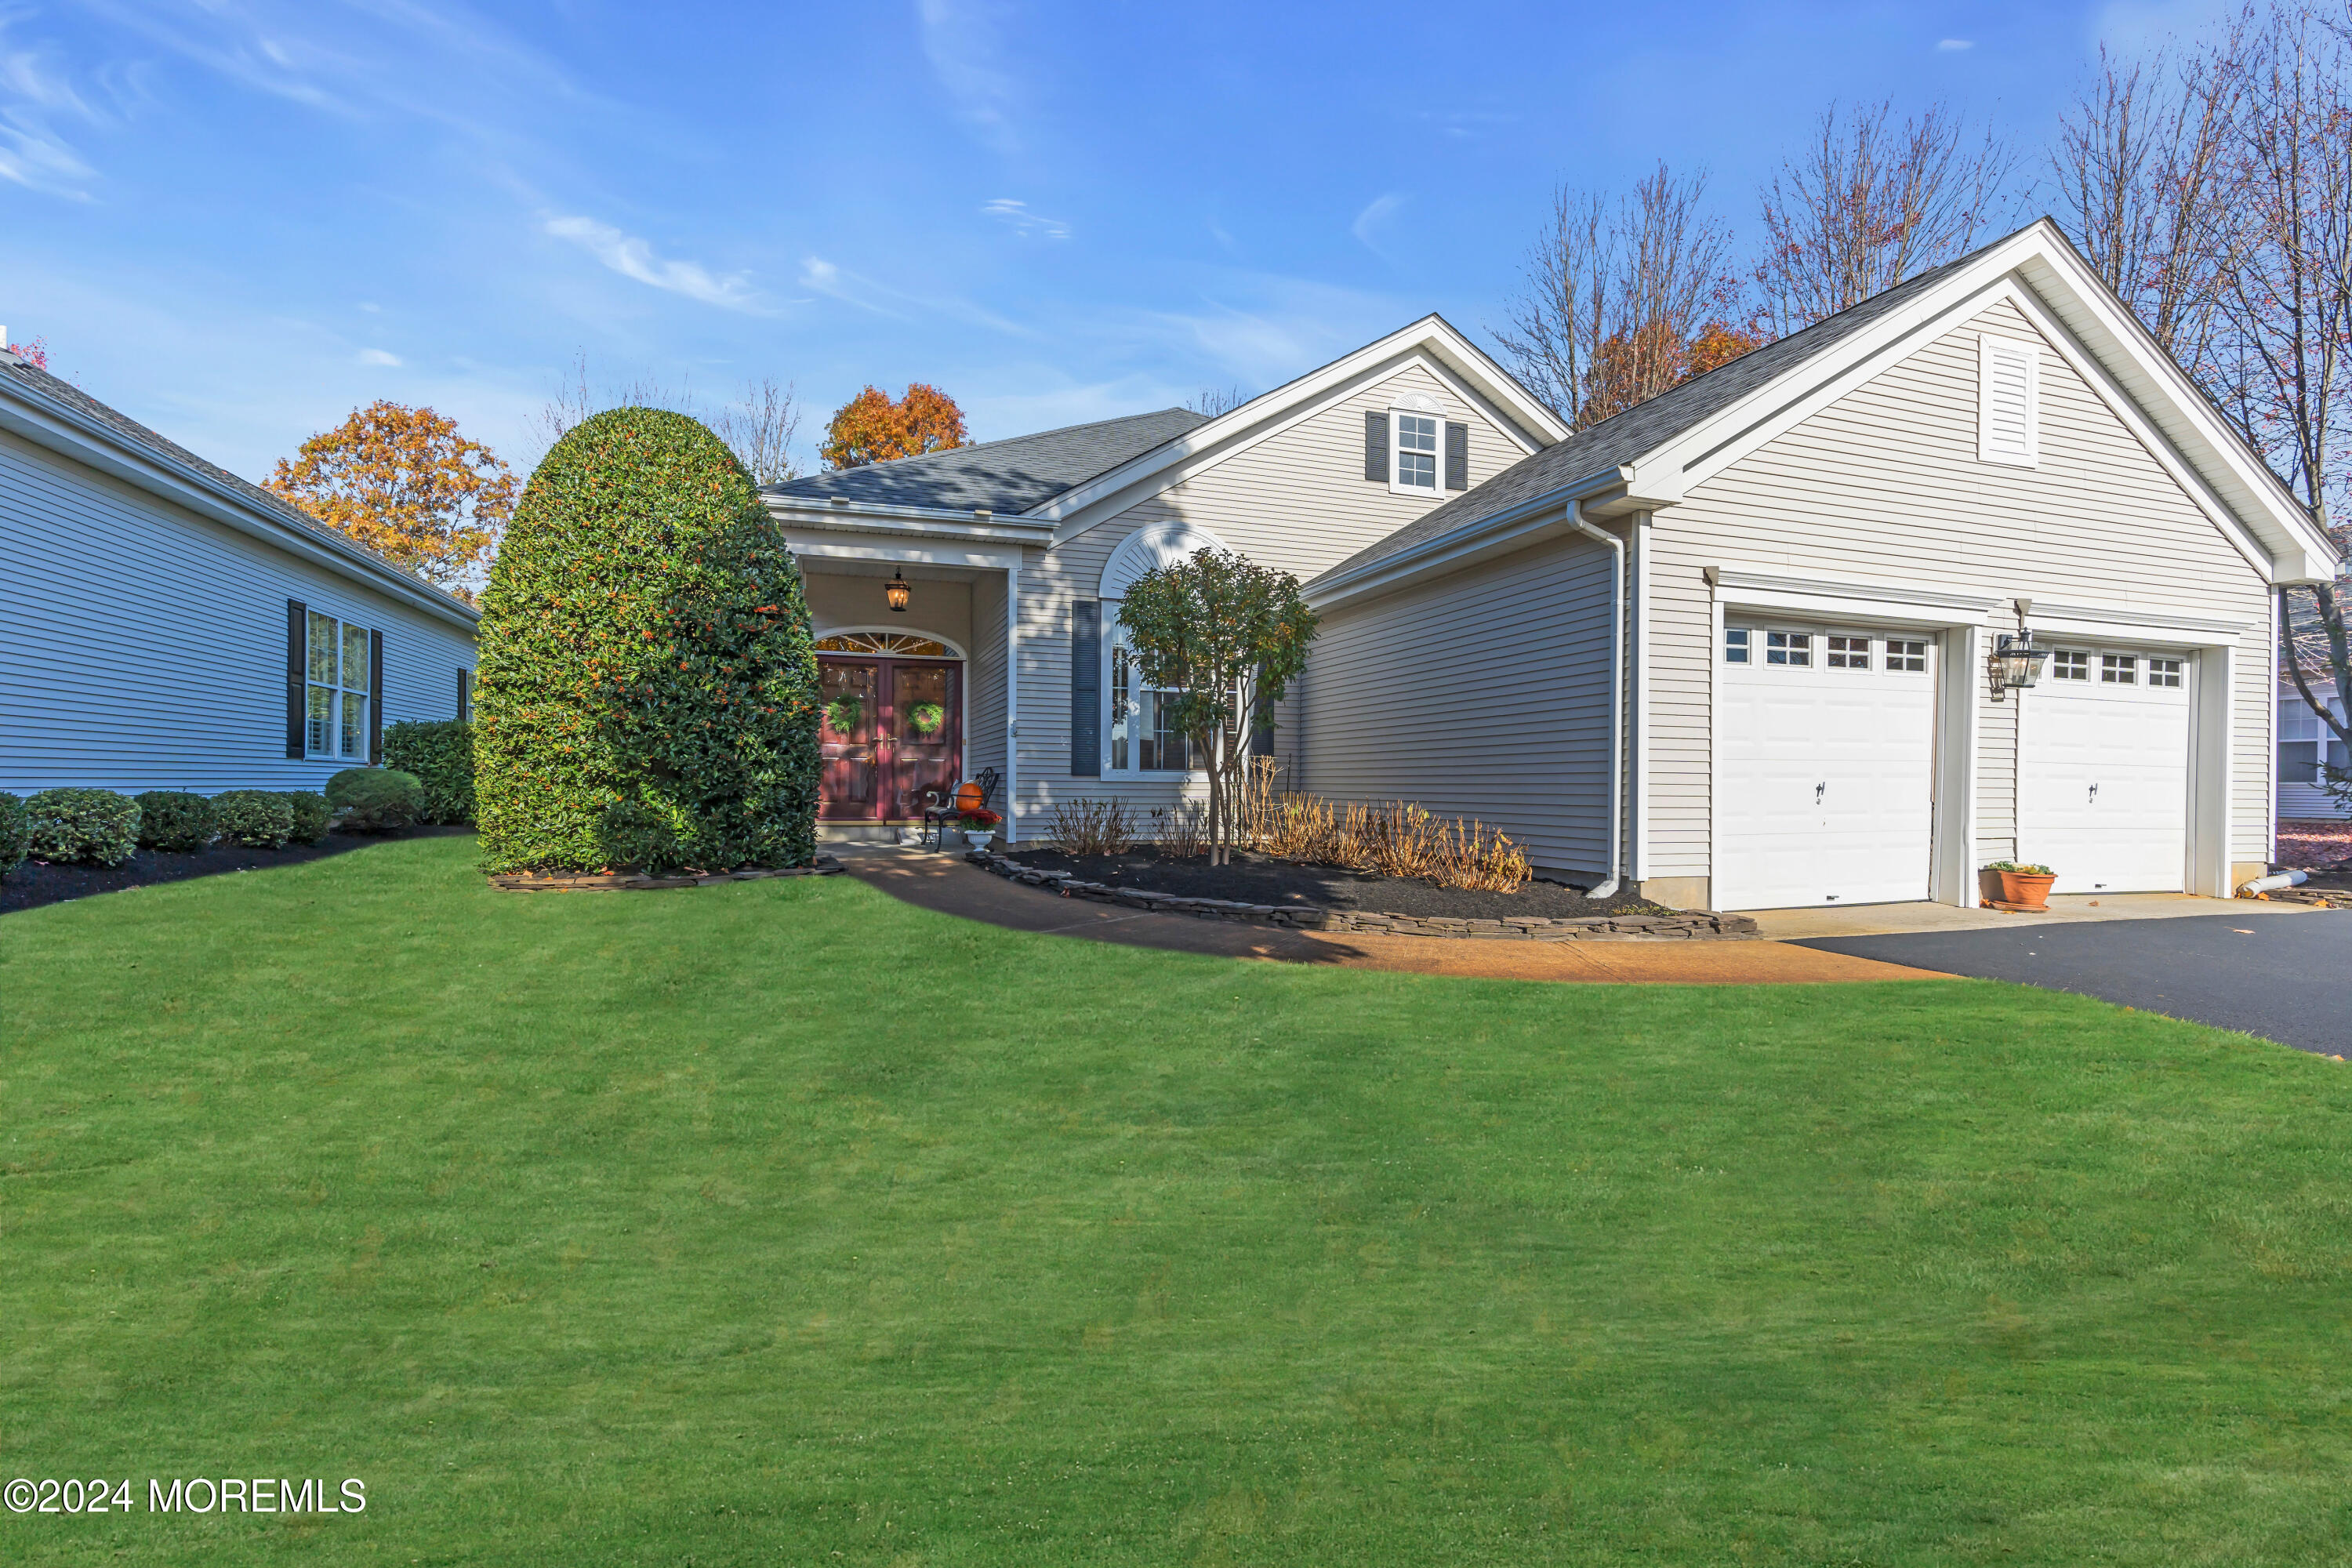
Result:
{"points": [[1012, 701]]}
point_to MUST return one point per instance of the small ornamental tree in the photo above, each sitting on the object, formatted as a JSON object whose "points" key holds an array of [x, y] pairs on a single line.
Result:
{"points": [[646, 698], [1226, 637]]}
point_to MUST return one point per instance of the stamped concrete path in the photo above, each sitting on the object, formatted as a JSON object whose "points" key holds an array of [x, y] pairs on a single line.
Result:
{"points": [[946, 884]]}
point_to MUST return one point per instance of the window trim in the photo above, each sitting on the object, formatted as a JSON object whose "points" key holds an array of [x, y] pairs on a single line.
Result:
{"points": [[1992, 347], [340, 689], [1414, 405], [1112, 636]]}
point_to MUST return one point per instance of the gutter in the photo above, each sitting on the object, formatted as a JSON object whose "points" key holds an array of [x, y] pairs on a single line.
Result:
{"points": [[102, 448], [1616, 697]]}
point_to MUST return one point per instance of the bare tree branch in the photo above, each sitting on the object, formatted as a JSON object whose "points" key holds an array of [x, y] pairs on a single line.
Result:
{"points": [[1211, 401], [1615, 293], [759, 428], [1869, 204]]}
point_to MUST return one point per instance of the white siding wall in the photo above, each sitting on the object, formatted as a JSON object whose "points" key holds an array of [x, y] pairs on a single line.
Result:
{"points": [[143, 647], [984, 741], [1885, 486], [2306, 802], [1297, 501], [1484, 694]]}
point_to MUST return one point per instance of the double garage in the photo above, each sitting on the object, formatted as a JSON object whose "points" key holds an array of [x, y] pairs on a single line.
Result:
{"points": [[1841, 750]]}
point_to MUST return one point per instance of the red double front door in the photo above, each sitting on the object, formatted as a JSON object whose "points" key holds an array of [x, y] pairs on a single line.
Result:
{"points": [[892, 735]]}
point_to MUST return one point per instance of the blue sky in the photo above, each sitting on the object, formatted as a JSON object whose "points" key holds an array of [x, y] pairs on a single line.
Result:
{"points": [[237, 220]]}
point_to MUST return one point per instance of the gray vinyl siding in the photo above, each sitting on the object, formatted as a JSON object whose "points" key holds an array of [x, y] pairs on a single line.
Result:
{"points": [[143, 647], [983, 746], [2303, 801], [1484, 694], [1885, 486], [1297, 501]]}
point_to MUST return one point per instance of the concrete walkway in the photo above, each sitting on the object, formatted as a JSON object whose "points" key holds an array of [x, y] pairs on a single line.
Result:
{"points": [[2076, 909], [945, 883]]}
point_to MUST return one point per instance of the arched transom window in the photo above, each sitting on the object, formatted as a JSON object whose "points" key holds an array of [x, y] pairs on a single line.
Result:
{"points": [[890, 644]]}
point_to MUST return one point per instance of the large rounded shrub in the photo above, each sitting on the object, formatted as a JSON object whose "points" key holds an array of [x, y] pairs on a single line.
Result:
{"points": [[646, 692], [174, 819], [440, 752], [96, 826], [256, 818]]}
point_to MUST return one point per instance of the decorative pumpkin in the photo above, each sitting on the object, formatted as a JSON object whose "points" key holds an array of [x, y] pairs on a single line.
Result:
{"points": [[970, 798]]}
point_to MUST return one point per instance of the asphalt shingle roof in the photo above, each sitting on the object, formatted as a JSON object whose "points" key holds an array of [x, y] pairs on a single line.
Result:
{"points": [[1625, 437], [57, 389], [1008, 477]]}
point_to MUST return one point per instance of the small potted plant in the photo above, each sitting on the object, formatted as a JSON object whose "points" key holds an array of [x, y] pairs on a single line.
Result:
{"points": [[978, 824], [2026, 887]]}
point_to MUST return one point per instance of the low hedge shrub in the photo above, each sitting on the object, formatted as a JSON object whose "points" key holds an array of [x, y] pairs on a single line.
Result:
{"points": [[256, 818], [94, 825], [375, 800], [178, 820], [440, 752], [312, 814], [13, 831]]}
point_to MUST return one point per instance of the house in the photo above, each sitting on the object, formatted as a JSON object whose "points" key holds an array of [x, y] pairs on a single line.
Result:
{"points": [[1740, 647], [169, 626], [1010, 558], [2304, 743]]}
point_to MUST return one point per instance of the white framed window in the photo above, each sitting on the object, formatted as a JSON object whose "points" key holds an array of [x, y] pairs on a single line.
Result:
{"points": [[1844, 652], [1737, 642], [1414, 441], [1906, 655], [1141, 738], [2164, 672], [1789, 648], [2009, 401], [2118, 669], [336, 676], [2070, 663]]}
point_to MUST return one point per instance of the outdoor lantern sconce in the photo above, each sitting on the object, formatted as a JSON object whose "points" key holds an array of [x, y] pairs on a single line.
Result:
{"points": [[898, 593], [2016, 664]]}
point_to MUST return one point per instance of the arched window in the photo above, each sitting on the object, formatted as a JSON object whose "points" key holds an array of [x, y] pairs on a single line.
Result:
{"points": [[887, 645], [1138, 736]]}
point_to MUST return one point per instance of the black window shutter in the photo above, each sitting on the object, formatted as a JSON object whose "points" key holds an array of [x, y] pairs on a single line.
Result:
{"points": [[1376, 447], [1457, 456], [1261, 741], [375, 697], [297, 628], [464, 693], [1085, 689]]}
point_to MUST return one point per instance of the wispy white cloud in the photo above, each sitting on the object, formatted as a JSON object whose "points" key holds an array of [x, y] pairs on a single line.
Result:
{"points": [[822, 277], [962, 41], [1375, 216], [36, 93], [379, 357], [632, 257], [1955, 45], [1017, 216]]}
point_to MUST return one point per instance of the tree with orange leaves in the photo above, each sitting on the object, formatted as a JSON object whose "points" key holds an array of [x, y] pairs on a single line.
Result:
{"points": [[405, 483], [871, 428]]}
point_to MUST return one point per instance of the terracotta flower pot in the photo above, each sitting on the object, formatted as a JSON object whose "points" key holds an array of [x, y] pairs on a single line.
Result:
{"points": [[2028, 889]]}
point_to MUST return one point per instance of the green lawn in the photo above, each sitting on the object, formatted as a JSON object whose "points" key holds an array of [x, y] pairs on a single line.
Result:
{"points": [[782, 1223]]}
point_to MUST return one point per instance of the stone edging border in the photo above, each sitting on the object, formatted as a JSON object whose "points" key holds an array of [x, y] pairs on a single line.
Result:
{"points": [[1701, 926], [822, 865]]}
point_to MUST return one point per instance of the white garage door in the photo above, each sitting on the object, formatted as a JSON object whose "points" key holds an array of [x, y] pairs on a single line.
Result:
{"points": [[1826, 777], [2103, 772]]}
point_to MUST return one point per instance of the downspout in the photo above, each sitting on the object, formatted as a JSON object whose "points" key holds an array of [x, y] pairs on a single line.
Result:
{"points": [[1616, 697]]}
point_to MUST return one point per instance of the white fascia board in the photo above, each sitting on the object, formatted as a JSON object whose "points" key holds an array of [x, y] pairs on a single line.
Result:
{"points": [[1514, 528], [905, 550], [1430, 342], [68, 434], [907, 521]]}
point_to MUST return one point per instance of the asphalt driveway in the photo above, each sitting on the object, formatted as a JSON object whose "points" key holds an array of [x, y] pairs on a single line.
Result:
{"points": [[2288, 980]]}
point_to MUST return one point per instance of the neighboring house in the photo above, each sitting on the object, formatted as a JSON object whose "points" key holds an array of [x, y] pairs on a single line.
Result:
{"points": [[169, 626], [1732, 647], [2304, 743], [1014, 555]]}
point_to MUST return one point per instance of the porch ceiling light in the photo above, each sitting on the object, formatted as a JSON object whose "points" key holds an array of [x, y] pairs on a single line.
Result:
{"points": [[2016, 664], [896, 591]]}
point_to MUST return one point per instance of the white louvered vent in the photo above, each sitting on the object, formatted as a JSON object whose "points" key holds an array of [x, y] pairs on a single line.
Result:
{"points": [[2009, 398]]}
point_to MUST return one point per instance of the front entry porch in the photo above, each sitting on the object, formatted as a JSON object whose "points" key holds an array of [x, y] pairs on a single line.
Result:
{"points": [[891, 727]]}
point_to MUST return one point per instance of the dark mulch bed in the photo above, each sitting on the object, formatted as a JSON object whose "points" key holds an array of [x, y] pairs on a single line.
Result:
{"points": [[1258, 879], [35, 883], [2321, 847]]}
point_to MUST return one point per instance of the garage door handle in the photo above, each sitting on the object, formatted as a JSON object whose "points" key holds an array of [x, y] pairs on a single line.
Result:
{"points": [[2094, 794], [1821, 789]]}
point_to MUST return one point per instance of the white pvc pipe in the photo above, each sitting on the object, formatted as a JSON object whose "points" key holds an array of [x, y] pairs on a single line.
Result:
{"points": [[2271, 884], [1616, 697]]}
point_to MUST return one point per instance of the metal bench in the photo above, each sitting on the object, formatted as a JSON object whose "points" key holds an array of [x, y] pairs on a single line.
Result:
{"points": [[939, 811]]}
